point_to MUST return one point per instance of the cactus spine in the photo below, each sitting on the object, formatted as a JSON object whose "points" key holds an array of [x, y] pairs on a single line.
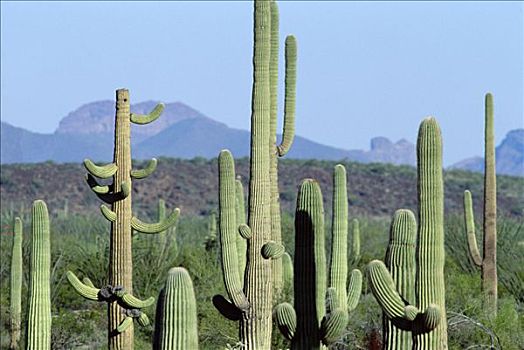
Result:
{"points": [[427, 320], [321, 315], [16, 284], [251, 293], [176, 327], [288, 134], [39, 311], [123, 307], [488, 263]]}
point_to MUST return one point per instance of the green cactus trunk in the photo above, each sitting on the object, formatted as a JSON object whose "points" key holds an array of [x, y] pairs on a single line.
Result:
{"points": [[430, 287], [16, 284], [241, 220], [400, 261], [39, 311], [176, 327]]}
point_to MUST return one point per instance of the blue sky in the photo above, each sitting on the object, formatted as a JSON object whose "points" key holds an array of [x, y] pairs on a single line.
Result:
{"points": [[365, 69]]}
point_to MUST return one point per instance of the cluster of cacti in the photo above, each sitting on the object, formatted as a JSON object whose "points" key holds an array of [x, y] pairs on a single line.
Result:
{"points": [[123, 307], [38, 330], [320, 315], [16, 284], [411, 293], [176, 317], [488, 261], [250, 284]]}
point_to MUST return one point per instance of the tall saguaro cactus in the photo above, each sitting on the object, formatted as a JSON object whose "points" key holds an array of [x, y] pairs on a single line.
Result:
{"points": [[288, 134], [39, 311], [488, 261], [320, 314], [176, 326], [251, 292], [420, 310], [123, 307], [16, 284]]}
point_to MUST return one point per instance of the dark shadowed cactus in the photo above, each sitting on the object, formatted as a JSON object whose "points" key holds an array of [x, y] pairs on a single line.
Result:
{"points": [[488, 261], [251, 292], [176, 319], [288, 134], [123, 307], [38, 331], [16, 284], [320, 315], [427, 320]]}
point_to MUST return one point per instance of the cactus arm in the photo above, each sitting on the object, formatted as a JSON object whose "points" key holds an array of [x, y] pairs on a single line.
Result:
{"points": [[163, 225], [354, 289], [124, 325], [143, 320], [108, 213], [133, 302], [470, 229], [84, 289], [333, 325], [105, 192], [16, 284], [244, 231], [88, 282], [95, 186], [228, 232], [142, 119], [244, 234], [272, 250], [145, 172], [226, 308], [287, 272], [286, 320], [355, 241], [288, 133], [100, 171]]}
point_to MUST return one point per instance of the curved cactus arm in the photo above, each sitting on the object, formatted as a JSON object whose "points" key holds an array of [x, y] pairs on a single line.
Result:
{"points": [[286, 319], [143, 320], [227, 308], [287, 272], [124, 325], [163, 225], [333, 325], [145, 172], [133, 302], [142, 119], [288, 133], [95, 186], [332, 300], [88, 282], [469, 220], [106, 193], [245, 231], [100, 171], [355, 241], [354, 289], [108, 213], [85, 290], [272, 250]]}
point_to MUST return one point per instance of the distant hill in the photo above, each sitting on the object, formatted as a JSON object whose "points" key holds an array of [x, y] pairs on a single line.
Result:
{"points": [[184, 132], [509, 156]]}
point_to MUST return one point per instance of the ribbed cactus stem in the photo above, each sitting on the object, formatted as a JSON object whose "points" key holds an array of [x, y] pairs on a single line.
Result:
{"points": [[469, 219], [430, 288], [354, 230], [241, 220], [489, 265], [339, 259], [400, 260], [310, 266], [16, 284], [287, 274], [177, 315], [39, 310]]}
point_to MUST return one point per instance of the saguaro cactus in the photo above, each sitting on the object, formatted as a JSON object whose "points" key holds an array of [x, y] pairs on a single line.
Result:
{"points": [[123, 307], [176, 321], [39, 311], [321, 314], [488, 262], [251, 293], [427, 320], [288, 134], [16, 283]]}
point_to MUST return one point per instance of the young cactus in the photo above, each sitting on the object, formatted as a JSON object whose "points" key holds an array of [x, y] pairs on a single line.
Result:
{"points": [[488, 261], [420, 309], [176, 319], [38, 332], [16, 284], [251, 291], [320, 315], [123, 307]]}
